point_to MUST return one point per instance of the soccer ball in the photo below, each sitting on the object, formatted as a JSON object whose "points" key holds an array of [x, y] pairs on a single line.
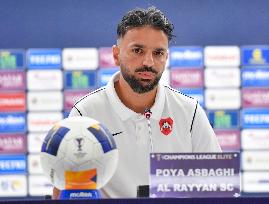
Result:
{"points": [[79, 153]]}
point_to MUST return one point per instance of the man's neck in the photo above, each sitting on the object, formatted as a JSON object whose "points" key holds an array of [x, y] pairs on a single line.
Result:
{"points": [[135, 101]]}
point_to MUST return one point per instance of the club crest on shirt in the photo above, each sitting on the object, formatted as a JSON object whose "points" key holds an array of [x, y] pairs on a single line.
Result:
{"points": [[166, 125]]}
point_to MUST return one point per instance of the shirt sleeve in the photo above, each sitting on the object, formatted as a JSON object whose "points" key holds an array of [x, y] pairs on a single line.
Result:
{"points": [[203, 136]]}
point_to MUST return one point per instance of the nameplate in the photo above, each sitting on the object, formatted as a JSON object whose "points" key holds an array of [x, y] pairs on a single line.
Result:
{"points": [[194, 175]]}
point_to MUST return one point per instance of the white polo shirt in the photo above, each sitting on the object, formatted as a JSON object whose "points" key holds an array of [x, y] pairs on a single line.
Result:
{"points": [[178, 124]]}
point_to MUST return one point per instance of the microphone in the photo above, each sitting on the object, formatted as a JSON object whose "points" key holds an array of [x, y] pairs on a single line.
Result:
{"points": [[143, 191], [147, 113]]}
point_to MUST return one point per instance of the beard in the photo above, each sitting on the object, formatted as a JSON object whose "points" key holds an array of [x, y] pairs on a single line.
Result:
{"points": [[141, 85]]}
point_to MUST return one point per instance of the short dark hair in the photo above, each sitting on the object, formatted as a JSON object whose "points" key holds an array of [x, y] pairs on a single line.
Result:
{"points": [[145, 17]]}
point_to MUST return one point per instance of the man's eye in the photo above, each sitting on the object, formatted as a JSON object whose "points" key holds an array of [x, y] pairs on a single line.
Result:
{"points": [[137, 50], [158, 53]]}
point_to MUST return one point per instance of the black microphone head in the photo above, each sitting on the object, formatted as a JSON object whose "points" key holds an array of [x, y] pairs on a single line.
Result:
{"points": [[48, 197], [143, 191]]}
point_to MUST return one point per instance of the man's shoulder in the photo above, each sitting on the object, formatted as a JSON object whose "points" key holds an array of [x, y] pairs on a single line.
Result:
{"points": [[93, 97], [177, 96], [94, 104]]}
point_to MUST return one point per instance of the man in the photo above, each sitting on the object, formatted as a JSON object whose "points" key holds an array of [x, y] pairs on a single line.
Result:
{"points": [[143, 115]]}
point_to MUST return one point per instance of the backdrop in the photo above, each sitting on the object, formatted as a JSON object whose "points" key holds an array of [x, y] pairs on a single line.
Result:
{"points": [[92, 23]]}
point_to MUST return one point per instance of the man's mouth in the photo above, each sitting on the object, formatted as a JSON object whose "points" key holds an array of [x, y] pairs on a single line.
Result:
{"points": [[146, 75]]}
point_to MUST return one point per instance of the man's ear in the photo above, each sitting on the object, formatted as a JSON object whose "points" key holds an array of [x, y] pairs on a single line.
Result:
{"points": [[116, 52]]}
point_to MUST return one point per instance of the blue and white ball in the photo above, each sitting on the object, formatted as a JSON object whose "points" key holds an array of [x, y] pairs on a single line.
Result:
{"points": [[78, 144]]}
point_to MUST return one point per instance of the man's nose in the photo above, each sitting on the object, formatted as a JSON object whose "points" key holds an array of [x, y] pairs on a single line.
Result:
{"points": [[148, 60]]}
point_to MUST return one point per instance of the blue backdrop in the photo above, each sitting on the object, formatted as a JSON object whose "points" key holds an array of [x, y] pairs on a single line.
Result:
{"points": [[92, 23]]}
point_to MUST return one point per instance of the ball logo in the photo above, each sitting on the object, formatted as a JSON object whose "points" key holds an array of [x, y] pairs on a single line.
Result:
{"points": [[166, 125], [80, 142]]}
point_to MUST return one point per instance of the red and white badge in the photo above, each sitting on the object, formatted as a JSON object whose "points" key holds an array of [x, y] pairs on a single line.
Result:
{"points": [[166, 125]]}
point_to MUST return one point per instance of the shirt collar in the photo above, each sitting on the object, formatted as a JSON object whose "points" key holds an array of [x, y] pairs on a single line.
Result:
{"points": [[126, 113]]}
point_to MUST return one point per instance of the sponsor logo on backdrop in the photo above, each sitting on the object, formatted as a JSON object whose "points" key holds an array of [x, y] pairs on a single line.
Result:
{"points": [[44, 80], [186, 57], [255, 56], [45, 101], [11, 59], [42, 121], [12, 101], [35, 141], [12, 80], [222, 77], [12, 164], [80, 80], [39, 185], [255, 98], [34, 165], [224, 56], [224, 119], [255, 118], [12, 143], [12, 122], [222, 98], [106, 57], [197, 94], [229, 140], [255, 160], [13, 185], [44, 58], [256, 139], [104, 75], [255, 182], [70, 97], [80, 58], [252, 77], [189, 78]]}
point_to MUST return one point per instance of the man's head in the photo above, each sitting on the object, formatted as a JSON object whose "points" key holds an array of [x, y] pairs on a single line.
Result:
{"points": [[145, 17], [142, 47]]}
